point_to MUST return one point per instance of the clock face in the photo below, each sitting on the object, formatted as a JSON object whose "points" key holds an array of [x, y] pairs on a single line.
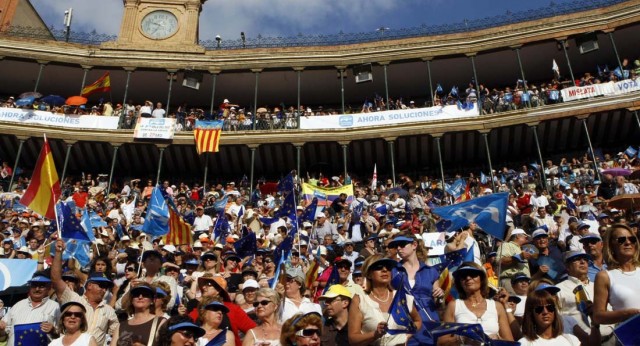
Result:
{"points": [[159, 25]]}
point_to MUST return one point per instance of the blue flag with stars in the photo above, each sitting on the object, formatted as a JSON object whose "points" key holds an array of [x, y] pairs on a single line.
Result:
{"points": [[357, 212], [286, 184], [401, 314], [87, 224], [454, 259], [288, 207], [334, 279], [247, 245], [221, 227], [382, 209], [310, 211], [29, 335], [488, 212], [157, 221], [627, 331], [71, 228]]}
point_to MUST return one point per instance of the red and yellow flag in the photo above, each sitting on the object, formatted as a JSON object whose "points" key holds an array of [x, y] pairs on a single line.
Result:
{"points": [[179, 230], [44, 188], [103, 84], [207, 136]]}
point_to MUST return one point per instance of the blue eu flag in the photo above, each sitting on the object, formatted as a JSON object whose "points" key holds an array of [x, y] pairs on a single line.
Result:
{"points": [[471, 331], [286, 183], [288, 207], [247, 245], [310, 211], [71, 228], [401, 314], [30, 335], [627, 331]]}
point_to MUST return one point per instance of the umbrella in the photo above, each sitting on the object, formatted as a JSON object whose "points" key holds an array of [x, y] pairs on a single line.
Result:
{"points": [[54, 100], [617, 172], [626, 202], [400, 191], [34, 94], [25, 101], [76, 101]]}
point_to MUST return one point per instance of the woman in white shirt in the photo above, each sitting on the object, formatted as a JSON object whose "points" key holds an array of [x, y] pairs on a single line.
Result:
{"points": [[542, 324], [73, 327], [471, 282], [618, 285]]}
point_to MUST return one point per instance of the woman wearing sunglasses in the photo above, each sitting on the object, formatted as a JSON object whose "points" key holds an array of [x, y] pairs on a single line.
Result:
{"points": [[211, 313], [179, 331], [420, 278], [618, 285], [473, 306], [369, 318], [130, 275], [267, 333], [302, 330], [73, 327], [143, 324], [541, 324]]}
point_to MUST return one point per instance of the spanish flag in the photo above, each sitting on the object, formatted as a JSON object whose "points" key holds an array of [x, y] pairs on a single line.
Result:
{"points": [[103, 84], [44, 188], [207, 136], [179, 230]]}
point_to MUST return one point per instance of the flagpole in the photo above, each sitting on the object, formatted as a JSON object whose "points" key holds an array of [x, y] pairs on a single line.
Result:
{"points": [[53, 193]]}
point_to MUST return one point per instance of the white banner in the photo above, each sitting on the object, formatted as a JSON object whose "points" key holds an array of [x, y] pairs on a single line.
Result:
{"points": [[385, 118], [155, 128], [604, 89], [434, 240], [30, 116]]}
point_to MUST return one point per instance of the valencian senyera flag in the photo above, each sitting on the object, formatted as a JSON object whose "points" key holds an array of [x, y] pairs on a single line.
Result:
{"points": [[207, 136], [103, 84], [44, 188]]}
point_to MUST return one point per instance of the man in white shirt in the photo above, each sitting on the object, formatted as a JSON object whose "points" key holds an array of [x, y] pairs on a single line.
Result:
{"points": [[202, 223], [538, 200], [158, 112]]}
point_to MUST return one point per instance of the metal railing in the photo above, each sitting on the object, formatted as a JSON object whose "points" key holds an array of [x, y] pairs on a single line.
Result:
{"points": [[341, 38]]}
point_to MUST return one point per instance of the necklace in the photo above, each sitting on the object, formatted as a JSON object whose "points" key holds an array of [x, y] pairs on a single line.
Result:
{"points": [[380, 300], [475, 304]]}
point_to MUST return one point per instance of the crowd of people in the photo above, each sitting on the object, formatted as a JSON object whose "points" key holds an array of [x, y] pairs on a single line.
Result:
{"points": [[566, 234], [236, 117]]}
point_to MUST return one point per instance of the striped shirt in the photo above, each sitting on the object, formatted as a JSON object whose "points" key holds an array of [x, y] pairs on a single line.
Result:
{"points": [[101, 321], [24, 312]]}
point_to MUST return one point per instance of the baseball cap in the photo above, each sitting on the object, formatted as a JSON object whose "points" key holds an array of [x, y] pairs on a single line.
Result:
{"points": [[399, 240], [197, 331], [539, 233], [582, 225], [341, 260], [336, 290], [296, 274], [590, 236], [39, 278], [217, 306], [99, 277], [572, 255], [467, 269], [520, 277], [518, 231], [251, 283], [136, 291]]}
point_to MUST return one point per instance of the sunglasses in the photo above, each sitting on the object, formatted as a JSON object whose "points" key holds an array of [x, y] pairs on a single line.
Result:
{"points": [[73, 314], [307, 333], [623, 240], [187, 334], [131, 269], [103, 285], [540, 308], [378, 267], [344, 266], [401, 244], [263, 303], [268, 261], [143, 294]]}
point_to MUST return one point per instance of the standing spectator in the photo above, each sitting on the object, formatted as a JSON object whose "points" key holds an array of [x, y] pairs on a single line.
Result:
{"points": [[158, 112], [267, 306], [73, 326], [592, 245], [102, 315], [203, 224], [542, 324], [618, 284], [512, 259], [335, 329], [143, 324], [145, 111], [36, 308]]}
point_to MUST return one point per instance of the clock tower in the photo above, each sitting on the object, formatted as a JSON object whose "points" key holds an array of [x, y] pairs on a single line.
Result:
{"points": [[159, 25]]}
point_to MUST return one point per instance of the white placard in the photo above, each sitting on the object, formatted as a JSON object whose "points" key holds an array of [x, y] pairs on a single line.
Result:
{"points": [[436, 241], [155, 128]]}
